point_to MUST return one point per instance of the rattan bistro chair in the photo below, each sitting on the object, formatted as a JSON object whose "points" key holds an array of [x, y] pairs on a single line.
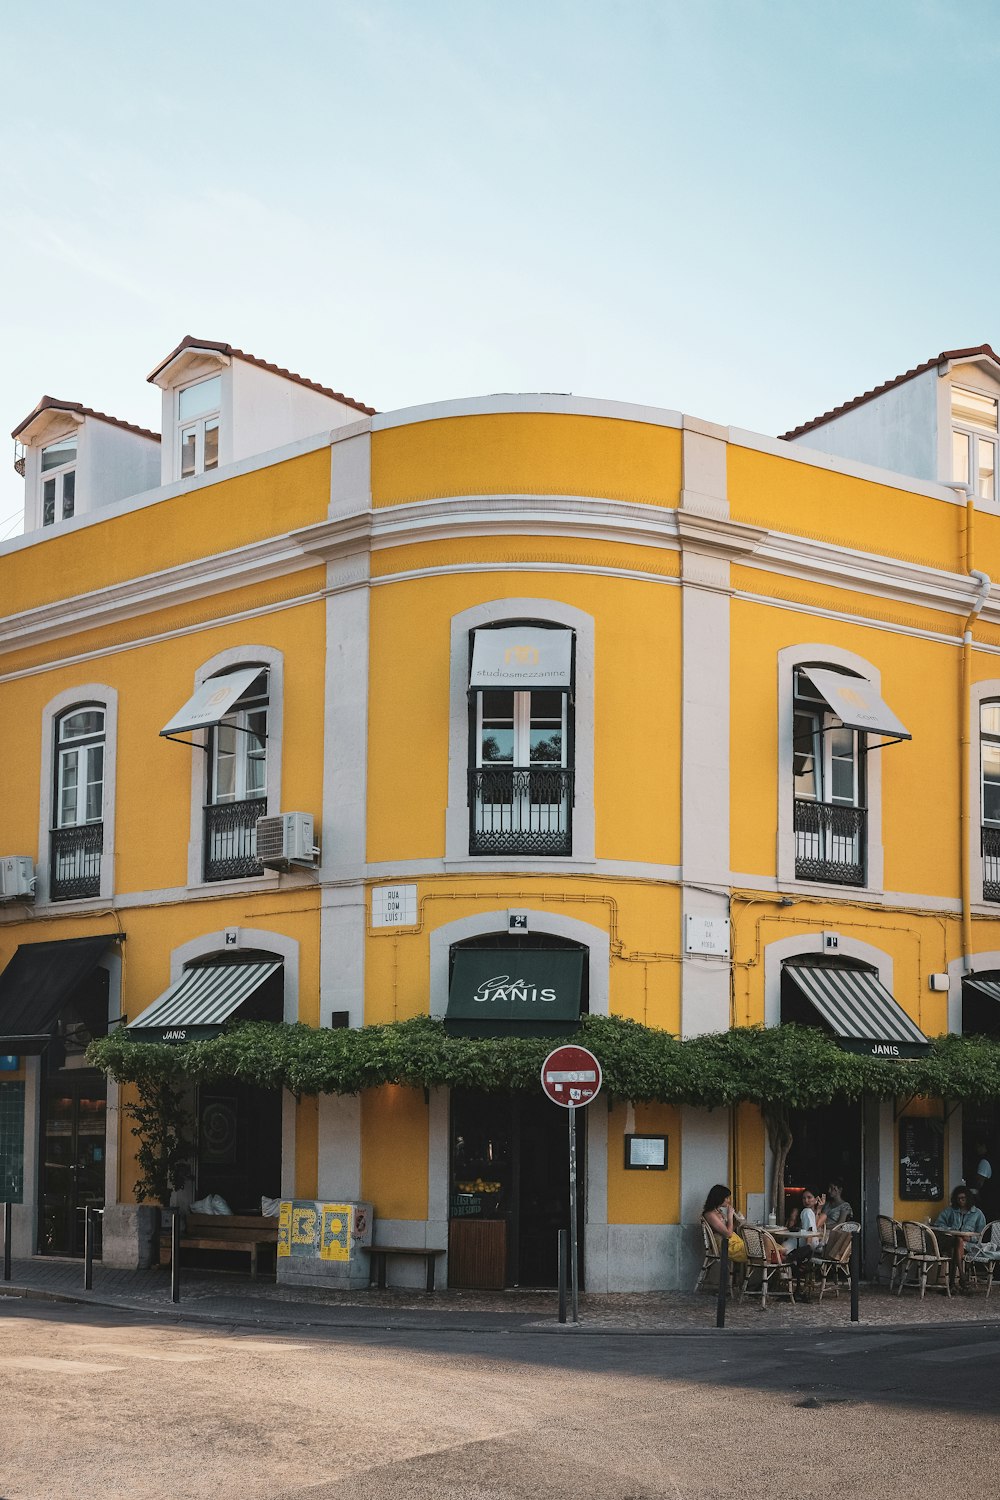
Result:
{"points": [[835, 1264], [764, 1260], [983, 1255], [922, 1257], [892, 1250], [712, 1256]]}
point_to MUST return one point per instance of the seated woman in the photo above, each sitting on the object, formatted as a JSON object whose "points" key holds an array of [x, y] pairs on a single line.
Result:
{"points": [[965, 1219], [718, 1215], [810, 1238]]}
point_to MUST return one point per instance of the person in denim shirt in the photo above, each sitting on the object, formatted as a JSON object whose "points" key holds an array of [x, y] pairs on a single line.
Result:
{"points": [[966, 1219]]}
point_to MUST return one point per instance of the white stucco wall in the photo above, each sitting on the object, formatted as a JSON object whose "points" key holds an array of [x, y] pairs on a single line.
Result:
{"points": [[897, 430]]}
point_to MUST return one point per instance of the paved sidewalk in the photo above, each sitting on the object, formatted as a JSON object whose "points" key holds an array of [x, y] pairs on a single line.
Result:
{"points": [[221, 1297]]}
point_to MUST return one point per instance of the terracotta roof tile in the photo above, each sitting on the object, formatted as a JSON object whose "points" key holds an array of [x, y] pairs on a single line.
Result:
{"points": [[52, 403], [928, 364], [189, 342]]}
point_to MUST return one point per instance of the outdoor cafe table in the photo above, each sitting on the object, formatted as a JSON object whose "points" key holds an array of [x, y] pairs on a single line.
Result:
{"points": [[954, 1238]]}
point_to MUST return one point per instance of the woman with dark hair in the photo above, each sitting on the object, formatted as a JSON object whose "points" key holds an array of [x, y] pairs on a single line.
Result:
{"points": [[965, 1221], [718, 1215]]}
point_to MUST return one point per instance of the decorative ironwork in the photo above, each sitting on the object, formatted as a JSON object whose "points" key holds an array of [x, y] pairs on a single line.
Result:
{"points": [[830, 842], [517, 810], [231, 839], [75, 862], [991, 864]]}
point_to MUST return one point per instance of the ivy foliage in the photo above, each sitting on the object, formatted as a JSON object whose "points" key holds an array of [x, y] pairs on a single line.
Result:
{"points": [[790, 1067]]}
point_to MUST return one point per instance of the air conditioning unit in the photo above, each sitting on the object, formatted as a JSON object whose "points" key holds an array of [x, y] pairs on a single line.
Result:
{"points": [[17, 877], [286, 839]]}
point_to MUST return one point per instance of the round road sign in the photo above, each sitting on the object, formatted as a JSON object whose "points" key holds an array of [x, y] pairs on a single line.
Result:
{"points": [[571, 1076]]}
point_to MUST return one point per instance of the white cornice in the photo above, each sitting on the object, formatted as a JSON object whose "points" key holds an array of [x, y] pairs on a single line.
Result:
{"points": [[569, 517]]}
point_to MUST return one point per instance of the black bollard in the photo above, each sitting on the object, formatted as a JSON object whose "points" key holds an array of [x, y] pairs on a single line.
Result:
{"points": [[88, 1248], [720, 1306], [562, 1275], [855, 1272], [175, 1256], [6, 1242]]}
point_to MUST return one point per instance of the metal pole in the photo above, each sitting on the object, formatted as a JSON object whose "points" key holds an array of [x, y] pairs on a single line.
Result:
{"points": [[562, 1275], [88, 1248], [175, 1257], [6, 1242], [720, 1306], [574, 1269], [855, 1272]]}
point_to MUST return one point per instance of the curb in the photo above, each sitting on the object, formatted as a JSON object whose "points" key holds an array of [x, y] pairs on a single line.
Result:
{"points": [[186, 1313]]}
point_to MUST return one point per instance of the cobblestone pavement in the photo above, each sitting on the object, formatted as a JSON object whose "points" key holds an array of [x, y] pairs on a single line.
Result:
{"points": [[229, 1297]]}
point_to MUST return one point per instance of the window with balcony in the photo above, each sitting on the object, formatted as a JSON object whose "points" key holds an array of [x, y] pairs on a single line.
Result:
{"points": [[58, 481], [989, 750], [974, 441], [831, 820], [521, 730], [77, 838], [237, 783], [198, 419]]}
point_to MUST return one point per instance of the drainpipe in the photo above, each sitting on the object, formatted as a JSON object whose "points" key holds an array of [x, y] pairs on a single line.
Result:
{"points": [[964, 747]]}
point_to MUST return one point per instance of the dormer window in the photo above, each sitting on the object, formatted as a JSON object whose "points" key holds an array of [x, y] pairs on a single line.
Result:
{"points": [[198, 408], [58, 477], [974, 440]]}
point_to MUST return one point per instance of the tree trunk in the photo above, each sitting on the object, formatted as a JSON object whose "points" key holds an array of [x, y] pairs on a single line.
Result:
{"points": [[779, 1135]]}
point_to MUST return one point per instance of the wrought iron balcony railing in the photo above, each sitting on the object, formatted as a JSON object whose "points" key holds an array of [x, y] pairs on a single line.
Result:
{"points": [[517, 810], [75, 862], [991, 864], [830, 842], [231, 839]]}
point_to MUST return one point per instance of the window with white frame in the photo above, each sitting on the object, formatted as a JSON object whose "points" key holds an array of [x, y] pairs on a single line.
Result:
{"points": [[237, 785], [828, 771], [521, 791], [58, 481], [974, 441], [78, 832], [198, 417], [989, 751]]}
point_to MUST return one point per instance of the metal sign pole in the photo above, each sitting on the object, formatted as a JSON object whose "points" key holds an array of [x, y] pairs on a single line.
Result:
{"points": [[6, 1242], [574, 1268]]}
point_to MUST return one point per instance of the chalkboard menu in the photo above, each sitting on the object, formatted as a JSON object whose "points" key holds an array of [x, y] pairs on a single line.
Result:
{"points": [[921, 1159]]}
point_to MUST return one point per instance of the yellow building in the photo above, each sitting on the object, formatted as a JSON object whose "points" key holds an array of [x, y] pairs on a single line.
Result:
{"points": [[592, 707]]}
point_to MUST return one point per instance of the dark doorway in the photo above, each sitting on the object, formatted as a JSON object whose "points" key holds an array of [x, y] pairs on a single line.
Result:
{"points": [[73, 1146], [827, 1144], [509, 1191], [239, 1144]]}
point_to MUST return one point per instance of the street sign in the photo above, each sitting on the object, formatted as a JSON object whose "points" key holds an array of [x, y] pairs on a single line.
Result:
{"points": [[571, 1076]]}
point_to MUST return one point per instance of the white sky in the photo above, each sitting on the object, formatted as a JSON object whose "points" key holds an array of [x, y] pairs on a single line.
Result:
{"points": [[746, 209]]}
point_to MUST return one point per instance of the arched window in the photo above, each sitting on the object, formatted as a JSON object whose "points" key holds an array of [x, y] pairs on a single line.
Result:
{"points": [[829, 773], [989, 763], [520, 739], [77, 836], [831, 718], [521, 733], [237, 783]]}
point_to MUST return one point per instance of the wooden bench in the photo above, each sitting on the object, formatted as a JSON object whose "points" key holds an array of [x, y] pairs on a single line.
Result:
{"points": [[237, 1232], [379, 1254]]}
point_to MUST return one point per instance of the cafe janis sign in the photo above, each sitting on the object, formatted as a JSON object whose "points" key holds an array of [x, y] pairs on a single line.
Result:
{"points": [[505, 985]]}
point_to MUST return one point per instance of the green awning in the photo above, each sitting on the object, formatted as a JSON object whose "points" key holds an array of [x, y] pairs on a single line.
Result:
{"points": [[38, 983], [200, 1003], [515, 991]]}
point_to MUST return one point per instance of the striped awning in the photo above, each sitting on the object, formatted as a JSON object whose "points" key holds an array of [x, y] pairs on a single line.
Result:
{"points": [[200, 1002], [983, 986], [859, 1010]]}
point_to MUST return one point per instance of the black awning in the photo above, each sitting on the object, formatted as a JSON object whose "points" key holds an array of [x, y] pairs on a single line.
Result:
{"points": [[859, 1010], [38, 982], [515, 991]]}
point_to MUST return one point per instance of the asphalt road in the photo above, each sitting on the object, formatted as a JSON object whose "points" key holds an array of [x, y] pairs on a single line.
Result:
{"points": [[98, 1403]]}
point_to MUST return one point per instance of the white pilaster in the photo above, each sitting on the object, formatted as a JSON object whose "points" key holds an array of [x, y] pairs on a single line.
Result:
{"points": [[705, 721]]}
